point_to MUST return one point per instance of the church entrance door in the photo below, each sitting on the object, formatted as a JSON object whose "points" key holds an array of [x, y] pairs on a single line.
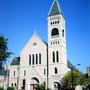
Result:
{"points": [[34, 83], [33, 86], [57, 86]]}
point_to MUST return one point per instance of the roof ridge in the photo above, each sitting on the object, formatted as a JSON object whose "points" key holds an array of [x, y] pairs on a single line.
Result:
{"points": [[36, 35]]}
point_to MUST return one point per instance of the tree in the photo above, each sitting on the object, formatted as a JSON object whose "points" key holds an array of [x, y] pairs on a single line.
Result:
{"points": [[75, 78], [4, 53]]}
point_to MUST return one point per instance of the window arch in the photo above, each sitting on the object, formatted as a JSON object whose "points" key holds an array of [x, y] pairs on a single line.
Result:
{"points": [[54, 32], [56, 70]]}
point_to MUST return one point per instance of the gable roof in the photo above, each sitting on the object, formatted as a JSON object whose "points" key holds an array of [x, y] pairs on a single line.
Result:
{"points": [[70, 65], [55, 9], [31, 42], [16, 61]]}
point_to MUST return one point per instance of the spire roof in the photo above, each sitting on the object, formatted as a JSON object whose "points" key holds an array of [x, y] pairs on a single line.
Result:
{"points": [[55, 9]]}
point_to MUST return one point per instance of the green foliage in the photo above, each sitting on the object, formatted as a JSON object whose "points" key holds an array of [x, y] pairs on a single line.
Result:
{"points": [[74, 77], [10, 88], [41, 87], [1, 88], [88, 87], [4, 53]]}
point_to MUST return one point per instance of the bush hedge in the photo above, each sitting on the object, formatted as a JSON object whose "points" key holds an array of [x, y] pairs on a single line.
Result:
{"points": [[1, 88], [10, 88]]}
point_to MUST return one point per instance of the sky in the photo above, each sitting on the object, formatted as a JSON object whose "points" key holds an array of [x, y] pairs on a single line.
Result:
{"points": [[20, 18]]}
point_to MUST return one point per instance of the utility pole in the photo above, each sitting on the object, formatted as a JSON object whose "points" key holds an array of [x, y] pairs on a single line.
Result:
{"points": [[72, 75]]}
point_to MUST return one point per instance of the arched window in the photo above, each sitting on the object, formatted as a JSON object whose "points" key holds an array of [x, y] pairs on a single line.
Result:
{"points": [[44, 71], [15, 84], [58, 42], [12, 84], [53, 56], [36, 59], [14, 74], [33, 59], [39, 58], [51, 43], [24, 82], [58, 21], [24, 72], [57, 56], [54, 32], [29, 59], [63, 32], [51, 23], [56, 70]]}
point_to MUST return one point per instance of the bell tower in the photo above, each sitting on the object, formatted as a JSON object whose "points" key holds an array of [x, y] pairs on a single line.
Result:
{"points": [[57, 57]]}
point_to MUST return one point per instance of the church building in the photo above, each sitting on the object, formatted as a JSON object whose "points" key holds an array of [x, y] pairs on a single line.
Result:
{"points": [[40, 61]]}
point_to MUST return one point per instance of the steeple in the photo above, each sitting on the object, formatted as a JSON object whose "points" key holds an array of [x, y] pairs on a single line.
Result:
{"points": [[55, 9]]}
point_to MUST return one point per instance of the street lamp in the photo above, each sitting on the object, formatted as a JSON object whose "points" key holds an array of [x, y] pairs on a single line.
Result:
{"points": [[77, 65], [72, 73]]}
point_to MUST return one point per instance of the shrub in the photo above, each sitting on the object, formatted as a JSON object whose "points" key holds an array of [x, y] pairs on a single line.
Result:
{"points": [[40, 87], [88, 87], [10, 88], [1, 88]]}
